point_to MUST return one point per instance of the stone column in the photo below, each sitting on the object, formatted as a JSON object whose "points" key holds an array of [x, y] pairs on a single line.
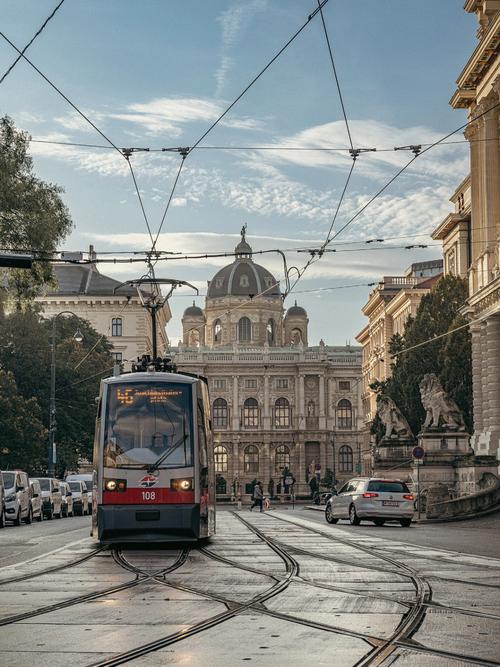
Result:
{"points": [[493, 380], [236, 407], [267, 412], [484, 376], [492, 180], [472, 135], [301, 407], [477, 389], [322, 419]]}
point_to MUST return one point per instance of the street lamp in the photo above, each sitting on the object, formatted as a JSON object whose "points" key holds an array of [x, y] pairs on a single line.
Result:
{"points": [[52, 417]]}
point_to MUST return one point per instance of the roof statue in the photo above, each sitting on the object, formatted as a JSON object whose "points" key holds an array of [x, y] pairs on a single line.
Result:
{"points": [[392, 418], [243, 232], [439, 407]]}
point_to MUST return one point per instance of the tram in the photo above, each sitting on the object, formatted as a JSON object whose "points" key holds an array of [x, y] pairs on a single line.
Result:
{"points": [[154, 476]]}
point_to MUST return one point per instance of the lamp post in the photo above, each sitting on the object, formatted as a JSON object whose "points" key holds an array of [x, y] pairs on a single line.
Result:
{"points": [[334, 464], [52, 416]]}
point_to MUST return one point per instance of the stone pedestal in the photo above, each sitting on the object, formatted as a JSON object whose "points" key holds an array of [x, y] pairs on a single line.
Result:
{"points": [[393, 458]]}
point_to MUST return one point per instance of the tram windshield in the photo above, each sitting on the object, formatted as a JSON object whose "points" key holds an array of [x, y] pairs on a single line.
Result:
{"points": [[148, 425]]}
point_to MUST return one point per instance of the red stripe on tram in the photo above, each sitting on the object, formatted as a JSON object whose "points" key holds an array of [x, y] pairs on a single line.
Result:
{"points": [[147, 497]]}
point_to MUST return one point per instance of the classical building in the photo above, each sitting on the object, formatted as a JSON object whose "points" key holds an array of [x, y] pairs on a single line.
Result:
{"points": [[277, 403], [119, 315], [478, 91], [389, 306]]}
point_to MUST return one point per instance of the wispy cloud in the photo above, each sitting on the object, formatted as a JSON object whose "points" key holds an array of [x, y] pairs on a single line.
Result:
{"points": [[233, 21]]}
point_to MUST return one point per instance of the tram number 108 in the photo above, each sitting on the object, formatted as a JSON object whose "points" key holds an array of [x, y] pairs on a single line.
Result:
{"points": [[149, 495]]}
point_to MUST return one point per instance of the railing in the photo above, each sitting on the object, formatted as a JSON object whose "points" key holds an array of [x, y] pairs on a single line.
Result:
{"points": [[401, 281]]}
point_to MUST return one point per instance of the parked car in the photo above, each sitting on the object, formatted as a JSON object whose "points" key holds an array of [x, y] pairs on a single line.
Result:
{"points": [[2, 503], [80, 497], [325, 497], [17, 496], [371, 499], [67, 499], [87, 479], [51, 497], [36, 500]]}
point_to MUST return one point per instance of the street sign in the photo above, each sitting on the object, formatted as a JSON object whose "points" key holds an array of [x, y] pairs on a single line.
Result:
{"points": [[288, 481], [418, 452]]}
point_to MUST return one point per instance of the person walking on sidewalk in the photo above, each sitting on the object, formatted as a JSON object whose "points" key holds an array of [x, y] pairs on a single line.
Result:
{"points": [[258, 496]]}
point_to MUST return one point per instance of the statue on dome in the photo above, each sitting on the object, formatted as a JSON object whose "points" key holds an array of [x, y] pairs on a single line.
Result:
{"points": [[243, 232]]}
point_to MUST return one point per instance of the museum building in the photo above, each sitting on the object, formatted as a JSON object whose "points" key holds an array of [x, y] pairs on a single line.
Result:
{"points": [[278, 403]]}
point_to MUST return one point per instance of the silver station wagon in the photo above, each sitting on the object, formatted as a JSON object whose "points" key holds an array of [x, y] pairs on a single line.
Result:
{"points": [[371, 499]]}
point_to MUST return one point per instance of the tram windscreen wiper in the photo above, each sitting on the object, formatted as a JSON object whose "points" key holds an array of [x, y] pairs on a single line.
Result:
{"points": [[151, 467]]}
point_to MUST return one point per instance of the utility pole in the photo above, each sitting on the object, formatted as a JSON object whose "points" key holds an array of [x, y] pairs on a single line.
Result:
{"points": [[334, 463]]}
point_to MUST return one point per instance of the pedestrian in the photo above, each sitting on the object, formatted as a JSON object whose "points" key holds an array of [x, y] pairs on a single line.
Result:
{"points": [[267, 504], [258, 496]]}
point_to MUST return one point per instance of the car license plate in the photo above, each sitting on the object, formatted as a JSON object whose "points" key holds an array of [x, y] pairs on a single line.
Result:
{"points": [[390, 503]]}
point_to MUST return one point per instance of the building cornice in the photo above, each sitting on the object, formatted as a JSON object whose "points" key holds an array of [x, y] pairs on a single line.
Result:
{"points": [[477, 65], [448, 224]]}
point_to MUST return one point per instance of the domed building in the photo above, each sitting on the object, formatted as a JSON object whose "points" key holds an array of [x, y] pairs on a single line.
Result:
{"points": [[280, 408]]}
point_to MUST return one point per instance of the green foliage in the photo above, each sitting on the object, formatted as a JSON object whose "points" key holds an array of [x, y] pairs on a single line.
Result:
{"points": [[448, 357], [23, 438], [25, 340], [32, 213]]}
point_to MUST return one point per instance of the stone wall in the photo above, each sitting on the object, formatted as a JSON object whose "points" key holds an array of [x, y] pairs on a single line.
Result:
{"points": [[466, 505]]}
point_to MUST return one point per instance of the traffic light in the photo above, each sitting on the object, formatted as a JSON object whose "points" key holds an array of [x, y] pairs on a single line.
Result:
{"points": [[15, 260]]}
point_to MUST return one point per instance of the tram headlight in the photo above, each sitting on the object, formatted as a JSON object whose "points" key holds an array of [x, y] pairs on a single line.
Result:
{"points": [[182, 484], [115, 484]]}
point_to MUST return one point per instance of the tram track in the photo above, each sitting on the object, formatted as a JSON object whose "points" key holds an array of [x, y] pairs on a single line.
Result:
{"points": [[88, 597], [411, 621], [55, 568]]}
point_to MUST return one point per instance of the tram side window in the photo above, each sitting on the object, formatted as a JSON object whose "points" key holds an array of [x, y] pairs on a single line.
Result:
{"points": [[147, 423]]}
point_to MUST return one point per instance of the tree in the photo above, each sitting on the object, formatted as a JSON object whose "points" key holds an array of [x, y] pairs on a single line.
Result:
{"points": [[32, 214], [23, 438], [25, 352], [448, 356]]}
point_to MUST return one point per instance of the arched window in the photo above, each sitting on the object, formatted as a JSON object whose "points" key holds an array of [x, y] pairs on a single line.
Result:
{"points": [[251, 459], [244, 330], [344, 414], [221, 458], [282, 458], [217, 331], [345, 459], [117, 326], [282, 413], [296, 336], [250, 413], [219, 413], [270, 331]]}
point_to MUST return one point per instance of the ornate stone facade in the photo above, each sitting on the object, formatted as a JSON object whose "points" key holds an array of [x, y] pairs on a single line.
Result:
{"points": [[276, 402], [479, 92], [119, 316]]}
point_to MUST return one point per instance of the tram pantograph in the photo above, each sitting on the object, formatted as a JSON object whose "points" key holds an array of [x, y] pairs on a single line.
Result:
{"points": [[154, 477]]}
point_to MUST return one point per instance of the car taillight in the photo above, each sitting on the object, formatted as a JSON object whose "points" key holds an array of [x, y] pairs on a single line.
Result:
{"points": [[369, 494], [408, 496]]}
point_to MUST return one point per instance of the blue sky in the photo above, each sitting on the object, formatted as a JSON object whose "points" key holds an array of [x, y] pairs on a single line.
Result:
{"points": [[157, 74]]}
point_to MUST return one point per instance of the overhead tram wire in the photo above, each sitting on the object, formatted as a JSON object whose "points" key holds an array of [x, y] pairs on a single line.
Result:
{"points": [[400, 171], [125, 153], [257, 77], [37, 33], [327, 38], [184, 152]]}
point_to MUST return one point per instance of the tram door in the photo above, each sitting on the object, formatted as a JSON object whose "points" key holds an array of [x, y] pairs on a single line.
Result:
{"points": [[206, 463]]}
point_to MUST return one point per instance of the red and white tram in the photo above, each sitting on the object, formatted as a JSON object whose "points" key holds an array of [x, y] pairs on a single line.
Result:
{"points": [[154, 477]]}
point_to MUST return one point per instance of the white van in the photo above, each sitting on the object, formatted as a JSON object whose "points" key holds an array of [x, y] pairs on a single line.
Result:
{"points": [[51, 497], [17, 496], [85, 478]]}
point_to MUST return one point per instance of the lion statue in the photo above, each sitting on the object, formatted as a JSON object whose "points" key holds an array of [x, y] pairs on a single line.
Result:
{"points": [[438, 406], [392, 418]]}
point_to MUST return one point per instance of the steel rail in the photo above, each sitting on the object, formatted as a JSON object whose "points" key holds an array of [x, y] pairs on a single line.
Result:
{"points": [[87, 597], [55, 568], [292, 569]]}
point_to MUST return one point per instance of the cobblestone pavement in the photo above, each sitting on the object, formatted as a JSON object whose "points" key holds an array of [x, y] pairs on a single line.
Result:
{"points": [[268, 589]]}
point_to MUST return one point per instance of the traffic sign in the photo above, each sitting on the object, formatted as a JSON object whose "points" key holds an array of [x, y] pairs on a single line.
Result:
{"points": [[418, 452], [288, 481]]}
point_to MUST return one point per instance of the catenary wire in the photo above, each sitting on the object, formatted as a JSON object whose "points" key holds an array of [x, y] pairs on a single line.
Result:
{"points": [[327, 38], [37, 33], [168, 202], [257, 77], [400, 171]]}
